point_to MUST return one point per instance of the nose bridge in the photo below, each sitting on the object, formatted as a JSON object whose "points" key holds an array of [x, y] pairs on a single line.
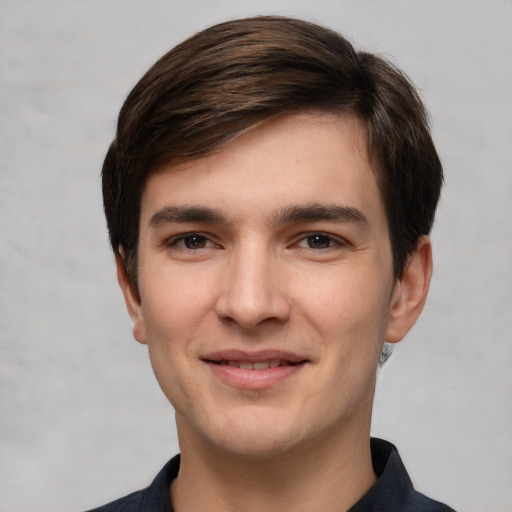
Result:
{"points": [[252, 292]]}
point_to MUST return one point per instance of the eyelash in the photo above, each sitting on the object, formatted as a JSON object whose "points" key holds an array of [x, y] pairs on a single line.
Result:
{"points": [[308, 238], [331, 240], [173, 242]]}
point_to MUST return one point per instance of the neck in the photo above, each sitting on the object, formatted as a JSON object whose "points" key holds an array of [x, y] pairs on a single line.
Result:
{"points": [[326, 476]]}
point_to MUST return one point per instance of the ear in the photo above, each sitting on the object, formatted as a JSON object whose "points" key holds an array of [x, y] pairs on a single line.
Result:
{"points": [[132, 300], [410, 292]]}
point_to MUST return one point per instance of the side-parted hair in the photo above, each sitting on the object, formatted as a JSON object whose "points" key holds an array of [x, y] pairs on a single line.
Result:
{"points": [[230, 77]]}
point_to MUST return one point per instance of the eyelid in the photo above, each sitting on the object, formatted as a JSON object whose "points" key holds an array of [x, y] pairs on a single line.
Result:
{"points": [[336, 240], [173, 240]]}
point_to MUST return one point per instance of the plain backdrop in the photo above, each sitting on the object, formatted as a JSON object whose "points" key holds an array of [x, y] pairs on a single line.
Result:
{"points": [[82, 420]]}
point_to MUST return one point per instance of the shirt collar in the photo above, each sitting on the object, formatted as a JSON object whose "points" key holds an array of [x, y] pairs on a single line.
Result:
{"points": [[392, 492]]}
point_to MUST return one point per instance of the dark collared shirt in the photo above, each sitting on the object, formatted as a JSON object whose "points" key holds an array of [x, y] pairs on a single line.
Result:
{"points": [[392, 492]]}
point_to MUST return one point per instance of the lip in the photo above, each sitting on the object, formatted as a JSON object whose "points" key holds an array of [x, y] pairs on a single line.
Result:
{"points": [[250, 378]]}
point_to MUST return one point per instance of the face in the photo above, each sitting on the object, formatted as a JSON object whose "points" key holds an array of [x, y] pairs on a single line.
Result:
{"points": [[266, 287]]}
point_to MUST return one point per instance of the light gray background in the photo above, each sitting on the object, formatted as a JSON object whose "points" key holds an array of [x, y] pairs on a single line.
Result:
{"points": [[82, 420]]}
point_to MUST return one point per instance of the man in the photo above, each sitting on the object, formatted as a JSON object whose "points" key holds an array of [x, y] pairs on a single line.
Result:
{"points": [[269, 196]]}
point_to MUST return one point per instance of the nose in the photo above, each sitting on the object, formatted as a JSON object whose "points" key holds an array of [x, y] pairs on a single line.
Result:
{"points": [[252, 292]]}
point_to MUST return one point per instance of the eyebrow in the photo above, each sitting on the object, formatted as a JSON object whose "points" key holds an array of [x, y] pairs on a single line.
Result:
{"points": [[320, 212], [186, 214], [298, 213]]}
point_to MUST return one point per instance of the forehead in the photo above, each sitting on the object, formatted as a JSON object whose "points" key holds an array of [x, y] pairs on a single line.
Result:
{"points": [[284, 162]]}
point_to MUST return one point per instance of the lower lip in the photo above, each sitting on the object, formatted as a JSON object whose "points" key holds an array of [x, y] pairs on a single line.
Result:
{"points": [[254, 379]]}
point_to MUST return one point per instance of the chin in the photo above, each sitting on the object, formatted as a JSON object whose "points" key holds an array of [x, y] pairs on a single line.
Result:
{"points": [[257, 445], [252, 435]]}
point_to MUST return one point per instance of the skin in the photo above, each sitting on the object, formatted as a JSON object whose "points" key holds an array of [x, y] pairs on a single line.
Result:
{"points": [[250, 276]]}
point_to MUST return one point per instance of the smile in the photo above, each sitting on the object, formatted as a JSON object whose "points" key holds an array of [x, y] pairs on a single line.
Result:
{"points": [[259, 365], [256, 371]]}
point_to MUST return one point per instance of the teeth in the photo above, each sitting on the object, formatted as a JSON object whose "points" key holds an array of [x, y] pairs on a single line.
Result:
{"points": [[260, 365]]}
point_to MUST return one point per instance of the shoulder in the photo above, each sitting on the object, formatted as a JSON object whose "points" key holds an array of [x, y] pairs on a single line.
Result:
{"points": [[422, 503], [154, 498], [131, 503], [393, 491]]}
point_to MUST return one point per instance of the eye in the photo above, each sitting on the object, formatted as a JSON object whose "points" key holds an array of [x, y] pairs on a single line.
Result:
{"points": [[194, 242], [319, 241], [191, 241]]}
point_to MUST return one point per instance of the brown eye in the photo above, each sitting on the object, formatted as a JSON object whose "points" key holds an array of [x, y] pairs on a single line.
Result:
{"points": [[194, 242], [319, 241]]}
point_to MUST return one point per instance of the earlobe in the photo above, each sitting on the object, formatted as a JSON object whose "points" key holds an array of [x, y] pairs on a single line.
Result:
{"points": [[410, 292], [132, 300]]}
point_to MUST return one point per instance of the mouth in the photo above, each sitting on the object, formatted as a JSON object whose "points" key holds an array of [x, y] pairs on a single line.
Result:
{"points": [[257, 365], [259, 370]]}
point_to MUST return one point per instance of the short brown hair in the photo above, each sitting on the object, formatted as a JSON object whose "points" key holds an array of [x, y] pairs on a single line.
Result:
{"points": [[222, 81]]}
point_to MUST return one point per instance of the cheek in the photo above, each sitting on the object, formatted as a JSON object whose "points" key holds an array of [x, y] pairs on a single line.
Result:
{"points": [[174, 301], [346, 300], [173, 323], [350, 318], [178, 310]]}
